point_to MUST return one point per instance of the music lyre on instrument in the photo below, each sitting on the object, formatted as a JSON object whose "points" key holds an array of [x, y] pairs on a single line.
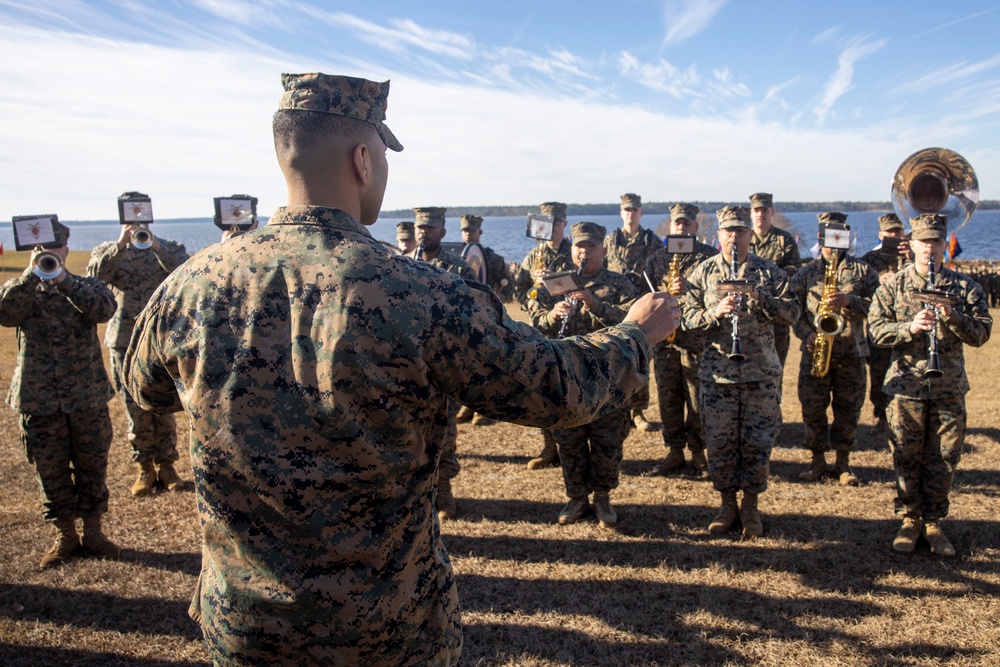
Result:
{"points": [[37, 233]]}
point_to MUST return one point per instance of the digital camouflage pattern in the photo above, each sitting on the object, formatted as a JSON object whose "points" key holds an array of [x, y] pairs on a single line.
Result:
{"points": [[312, 380], [628, 255], [658, 269], [613, 296], [883, 263], [879, 358], [778, 246], [544, 258], [342, 95], [447, 262], [497, 271], [151, 437], [740, 423]]}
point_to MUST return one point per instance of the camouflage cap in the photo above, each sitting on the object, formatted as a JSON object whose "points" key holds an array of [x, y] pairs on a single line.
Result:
{"points": [[832, 216], [929, 226], [733, 216], [343, 95], [61, 232], [631, 200], [888, 222], [405, 230], [684, 211], [762, 200], [554, 208], [588, 231], [430, 216], [471, 222]]}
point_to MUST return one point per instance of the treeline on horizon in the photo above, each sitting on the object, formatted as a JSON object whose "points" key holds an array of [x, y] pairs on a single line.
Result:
{"points": [[663, 208]]}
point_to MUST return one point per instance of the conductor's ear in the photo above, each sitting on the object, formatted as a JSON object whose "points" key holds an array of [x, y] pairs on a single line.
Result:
{"points": [[361, 161]]}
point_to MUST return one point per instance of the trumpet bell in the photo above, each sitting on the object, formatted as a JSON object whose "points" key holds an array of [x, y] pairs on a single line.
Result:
{"points": [[47, 266], [142, 238], [936, 180], [829, 323]]}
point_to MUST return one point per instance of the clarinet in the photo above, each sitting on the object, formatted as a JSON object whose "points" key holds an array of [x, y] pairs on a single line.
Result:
{"points": [[736, 354], [419, 256], [933, 365], [572, 302]]}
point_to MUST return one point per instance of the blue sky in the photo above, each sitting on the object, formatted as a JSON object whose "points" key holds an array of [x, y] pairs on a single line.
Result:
{"points": [[497, 103]]}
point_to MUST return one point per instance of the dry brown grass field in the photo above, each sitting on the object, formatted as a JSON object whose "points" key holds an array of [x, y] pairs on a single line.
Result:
{"points": [[821, 588]]}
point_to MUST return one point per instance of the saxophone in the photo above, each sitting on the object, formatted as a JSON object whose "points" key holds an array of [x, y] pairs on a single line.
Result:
{"points": [[673, 273], [828, 323], [539, 266]]}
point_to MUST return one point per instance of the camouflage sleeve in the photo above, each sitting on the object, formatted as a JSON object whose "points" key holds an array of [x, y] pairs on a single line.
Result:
{"points": [[149, 377], [883, 328], [793, 259], [540, 313], [862, 301], [170, 255], [970, 319], [16, 298], [799, 289], [104, 263], [90, 296], [775, 299], [614, 310], [694, 314]]}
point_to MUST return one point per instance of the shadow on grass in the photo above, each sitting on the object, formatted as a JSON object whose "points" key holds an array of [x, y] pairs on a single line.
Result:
{"points": [[186, 563], [990, 432], [33, 656]]}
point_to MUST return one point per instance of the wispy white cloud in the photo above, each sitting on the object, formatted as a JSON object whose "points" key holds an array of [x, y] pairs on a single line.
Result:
{"points": [[948, 75], [841, 81], [243, 12], [661, 76], [400, 34], [686, 18]]}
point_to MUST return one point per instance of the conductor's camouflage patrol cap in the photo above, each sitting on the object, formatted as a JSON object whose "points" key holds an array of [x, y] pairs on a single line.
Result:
{"points": [[631, 200], [832, 216], [554, 208], [588, 231], [684, 211], [929, 226], [762, 200], [404, 231], [889, 222], [733, 216], [430, 216], [471, 222], [342, 95]]}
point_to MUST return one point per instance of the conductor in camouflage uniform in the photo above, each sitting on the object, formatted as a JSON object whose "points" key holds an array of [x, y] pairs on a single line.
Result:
{"points": [[676, 365], [926, 415], [430, 229], [627, 249], [133, 274], [61, 392], [889, 225], [843, 380], [312, 386], [778, 246], [590, 455], [739, 398]]}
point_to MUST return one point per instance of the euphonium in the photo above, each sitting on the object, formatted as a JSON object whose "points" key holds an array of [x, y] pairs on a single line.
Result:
{"points": [[673, 273], [828, 323]]}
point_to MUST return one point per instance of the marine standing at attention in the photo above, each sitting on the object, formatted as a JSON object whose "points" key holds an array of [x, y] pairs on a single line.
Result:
{"points": [[312, 382], [133, 274], [841, 288], [61, 391], [627, 250], [739, 398], [406, 237], [676, 365], [926, 415], [778, 246]]}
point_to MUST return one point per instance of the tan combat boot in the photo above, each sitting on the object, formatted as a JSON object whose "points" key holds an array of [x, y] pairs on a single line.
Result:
{"points": [[816, 469], [482, 420], [639, 421], [145, 483], [549, 455], [447, 509], [464, 415], [66, 544], [906, 538], [940, 546], [753, 527], [95, 540], [606, 515], [169, 478], [842, 469], [699, 462], [726, 515], [674, 461], [574, 511]]}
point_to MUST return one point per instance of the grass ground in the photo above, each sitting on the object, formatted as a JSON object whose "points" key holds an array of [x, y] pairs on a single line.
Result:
{"points": [[821, 588]]}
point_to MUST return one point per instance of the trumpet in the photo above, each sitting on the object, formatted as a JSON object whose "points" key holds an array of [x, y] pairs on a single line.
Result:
{"points": [[46, 265], [571, 301], [142, 238]]}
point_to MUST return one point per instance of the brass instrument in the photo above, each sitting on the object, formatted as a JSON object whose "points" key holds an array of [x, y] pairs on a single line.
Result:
{"points": [[538, 270], [828, 322], [142, 238], [673, 273], [46, 265]]}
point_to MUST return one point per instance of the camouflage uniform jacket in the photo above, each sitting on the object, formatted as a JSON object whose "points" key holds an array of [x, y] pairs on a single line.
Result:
{"points": [[448, 262], [658, 268], [60, 368], [132, 274], [892, 310], [881, 262], [854, 278], [628, 255], [613, 294], [497, 270], [777, 246], [311, 363], [756, 324], [542, 257]]}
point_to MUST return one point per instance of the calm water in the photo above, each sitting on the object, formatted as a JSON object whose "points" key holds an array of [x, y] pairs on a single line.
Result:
{"points": [[979, 239]]}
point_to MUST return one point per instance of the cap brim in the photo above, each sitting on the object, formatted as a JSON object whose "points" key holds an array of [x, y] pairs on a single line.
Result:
{"points": [[388, 138]]}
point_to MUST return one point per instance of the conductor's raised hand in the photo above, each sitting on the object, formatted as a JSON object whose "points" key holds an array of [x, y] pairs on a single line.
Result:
{"points": [[657, 313]]}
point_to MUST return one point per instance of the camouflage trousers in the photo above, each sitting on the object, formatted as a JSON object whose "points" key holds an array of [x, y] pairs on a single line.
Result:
{"points": [[782, 340], [153, 437], [878, 366], [70, 455], [844, 387], [641, 399], [926, 439], [447, 430], [741, 422], [591, 455], [677, 387]]}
